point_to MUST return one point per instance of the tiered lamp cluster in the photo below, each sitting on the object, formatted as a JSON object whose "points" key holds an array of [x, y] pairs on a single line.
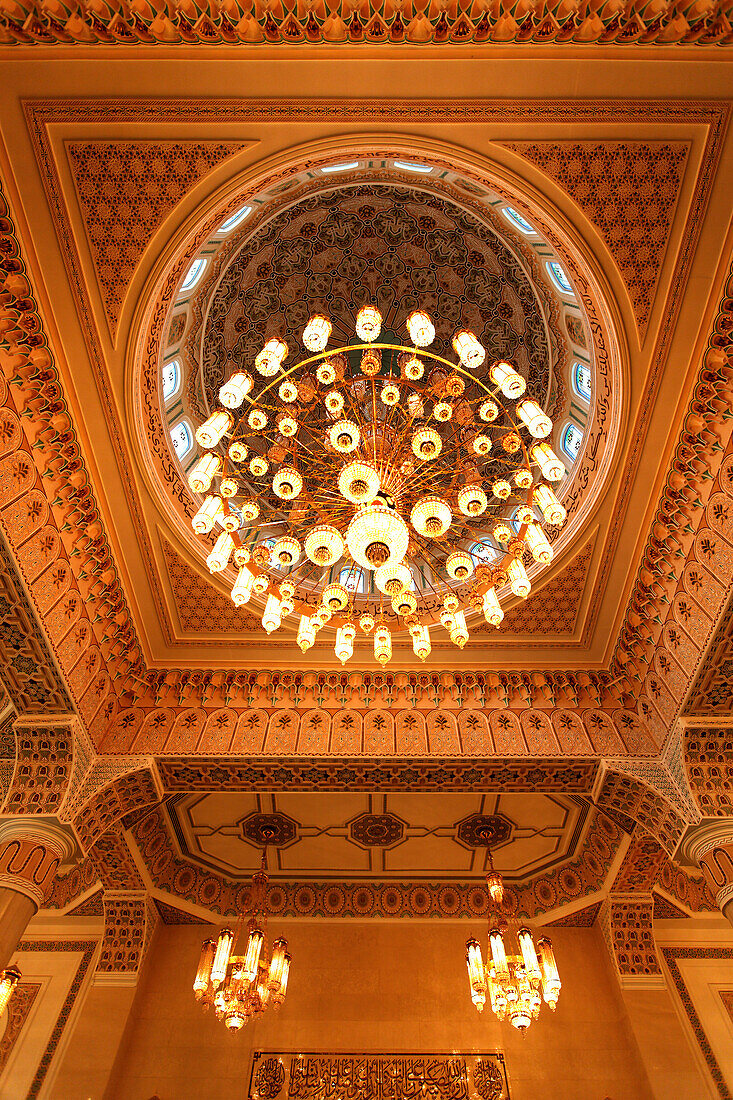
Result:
{"points": [[241, 987], [376, 487], [517, 975]]}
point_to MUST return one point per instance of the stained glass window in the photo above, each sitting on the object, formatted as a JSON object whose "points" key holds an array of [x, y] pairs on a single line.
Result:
{"points": [[182, 439], [572, 437], [516, 219]]}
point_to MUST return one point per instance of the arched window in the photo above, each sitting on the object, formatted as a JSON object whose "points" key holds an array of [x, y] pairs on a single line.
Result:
{"points": [[353, 580], [572, 438], [182, 439], [581, 380], [234, 220], [195, 272], [517, 220], [408, 166], [559, 278], [483, 552], [171, 378], [329, 168]]}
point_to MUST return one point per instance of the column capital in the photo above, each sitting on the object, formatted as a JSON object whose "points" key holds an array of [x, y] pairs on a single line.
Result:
{"points": [[701, 839], [31, 851]]}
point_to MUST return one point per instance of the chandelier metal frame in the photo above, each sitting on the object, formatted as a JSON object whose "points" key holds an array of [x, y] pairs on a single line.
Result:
{"points": [[379, 413]]}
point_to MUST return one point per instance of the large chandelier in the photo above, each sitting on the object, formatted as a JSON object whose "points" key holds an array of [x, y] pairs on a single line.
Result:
{"points": [[240, 987], [376, 487], [517, 975]]}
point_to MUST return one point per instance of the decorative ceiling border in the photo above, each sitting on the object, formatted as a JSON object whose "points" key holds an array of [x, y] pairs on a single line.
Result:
{"points": [[376, 24], [40, 113], [671, 957]]}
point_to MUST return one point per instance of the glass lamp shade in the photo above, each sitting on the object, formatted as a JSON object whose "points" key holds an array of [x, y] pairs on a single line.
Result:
{"points": [[287, 425], [251, 963], [344, 436], [306, 633], [335, 597], [390, 393], [260, 584], [203, 974], [324, 545], [316, 333], [421, 642], [219, 557], [492, 608], [257, 419], [272, 615], [442, 411], [431, 517], [502, 532], [359, 482], [488, 410], [207, 515], [413, 369], [551, 984], [511, 384], [426, 444], [472, 500], [326, 374], [448, 619], [382, 644], [287, 587], [524, 514], [421, 329], [234, 391], [241, 556], [450, 602], [221, 956], [288, 391], [238, 451], [277, 962], [366, 623], [371, 362], [523, 477], [368, 323], [344, 647], [228, 487], [550, 465], [212, 430], [392, 578], [242, 587], [539, 547], [468, 349], [334, 402], [459, 565], [404, 603], [258, 466], [271, 358], [286, 552], [203, 472], [501, 489], [459, 633], [495, 886], [518, 579], [537, 421], [549, 505], [9, 979], [250, 510], [377, 535], [287, 483], [481, 444]]}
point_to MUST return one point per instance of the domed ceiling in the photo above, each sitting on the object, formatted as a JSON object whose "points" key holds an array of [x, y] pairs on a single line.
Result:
{"points": [[396, 247], [333, 245]]}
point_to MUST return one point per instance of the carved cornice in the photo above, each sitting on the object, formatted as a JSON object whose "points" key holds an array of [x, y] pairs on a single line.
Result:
{"points": [[683, 24]]}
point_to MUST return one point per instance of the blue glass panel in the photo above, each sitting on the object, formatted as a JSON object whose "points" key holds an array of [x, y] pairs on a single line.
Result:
{"points": [[559, 278], [171, 378], [195, 272], [233, 221], [516, 218], [407, 166], [182, 439], [581, 380], [571, 441]]}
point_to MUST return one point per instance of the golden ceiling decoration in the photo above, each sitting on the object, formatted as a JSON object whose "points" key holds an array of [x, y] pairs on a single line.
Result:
{"points": [[376, 487]]}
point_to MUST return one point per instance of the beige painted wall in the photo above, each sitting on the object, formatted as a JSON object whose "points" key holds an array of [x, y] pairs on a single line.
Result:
{"points": [[383, 986]]}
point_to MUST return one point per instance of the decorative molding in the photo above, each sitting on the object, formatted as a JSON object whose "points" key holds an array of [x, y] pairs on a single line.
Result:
{"points": [[199, 604], [629, 190], [711, 694], [19, 1008], [130, 921], [375, 24], [87, 949], [671, 956], [627, 924]]}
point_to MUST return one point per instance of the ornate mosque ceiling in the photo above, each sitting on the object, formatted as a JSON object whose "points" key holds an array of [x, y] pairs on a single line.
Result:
{"points": [[173, 728]]}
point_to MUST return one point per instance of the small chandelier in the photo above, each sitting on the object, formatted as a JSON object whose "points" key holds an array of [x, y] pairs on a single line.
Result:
{"points": [[517, 975], [371, 455], [9, 979], [241, 987]]}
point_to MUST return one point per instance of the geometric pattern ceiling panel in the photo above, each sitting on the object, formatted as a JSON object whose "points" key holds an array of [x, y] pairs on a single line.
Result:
{"points": [[554, 608], [629, 190], [347, 835], [200, 605], [125, 191]]}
